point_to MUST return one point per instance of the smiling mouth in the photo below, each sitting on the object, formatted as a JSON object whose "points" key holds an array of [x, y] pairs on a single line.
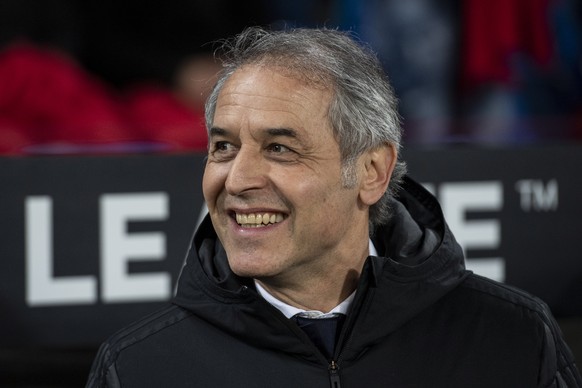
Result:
{"points": [[258, 220]]}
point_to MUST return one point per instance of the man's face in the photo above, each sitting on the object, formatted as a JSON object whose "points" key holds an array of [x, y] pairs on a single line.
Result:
{"points": [[272, 182]]}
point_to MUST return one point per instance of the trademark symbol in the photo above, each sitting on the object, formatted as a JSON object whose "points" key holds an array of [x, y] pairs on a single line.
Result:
{"points": [[535, 195]]}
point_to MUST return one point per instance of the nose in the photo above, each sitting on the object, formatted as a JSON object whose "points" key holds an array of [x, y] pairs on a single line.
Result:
{"points": [[248, 171]]}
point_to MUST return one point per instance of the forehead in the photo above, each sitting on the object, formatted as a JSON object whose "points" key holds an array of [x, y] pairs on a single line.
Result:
{"points": [[262, 95]]}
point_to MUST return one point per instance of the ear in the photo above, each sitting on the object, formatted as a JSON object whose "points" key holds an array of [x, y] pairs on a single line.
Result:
{"points": [[379, 164]]}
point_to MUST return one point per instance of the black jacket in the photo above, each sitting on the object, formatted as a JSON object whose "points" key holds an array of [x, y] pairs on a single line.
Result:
{"points": [[419, 319]]}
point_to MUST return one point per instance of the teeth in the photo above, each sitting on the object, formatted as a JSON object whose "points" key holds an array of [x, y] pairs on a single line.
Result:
{"points": [[259, 219]]}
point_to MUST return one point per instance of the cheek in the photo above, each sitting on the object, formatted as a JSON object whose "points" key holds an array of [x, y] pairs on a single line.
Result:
{"points": [[305, 192], [319, 200], [211, 184], [322, 189]]}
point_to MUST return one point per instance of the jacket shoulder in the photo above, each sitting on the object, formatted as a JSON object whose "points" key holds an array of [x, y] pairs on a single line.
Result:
{"points": [[504, 294], [103, 369], [505, 302]]}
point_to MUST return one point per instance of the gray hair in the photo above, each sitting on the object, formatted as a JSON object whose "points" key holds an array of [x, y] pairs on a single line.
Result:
{"points": [[363, 111]]}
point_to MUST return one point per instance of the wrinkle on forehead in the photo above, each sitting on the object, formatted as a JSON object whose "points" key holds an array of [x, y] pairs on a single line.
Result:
{"points": [[290, 93]]}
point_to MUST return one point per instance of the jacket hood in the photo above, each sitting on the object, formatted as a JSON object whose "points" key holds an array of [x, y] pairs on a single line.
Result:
{"points": [[418, 263]]}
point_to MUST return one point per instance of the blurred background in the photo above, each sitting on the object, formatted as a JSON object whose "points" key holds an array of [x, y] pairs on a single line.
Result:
{"points": [[90, 82], [497, 72]]}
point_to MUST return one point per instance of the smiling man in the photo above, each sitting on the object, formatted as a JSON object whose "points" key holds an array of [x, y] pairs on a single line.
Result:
{"points": [[320, 264], [273, 155]]}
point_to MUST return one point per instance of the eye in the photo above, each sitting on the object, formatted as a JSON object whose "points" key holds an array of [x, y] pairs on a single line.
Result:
{"points": [[278, 148], [281, 153], [223, 150], [220, 146]]}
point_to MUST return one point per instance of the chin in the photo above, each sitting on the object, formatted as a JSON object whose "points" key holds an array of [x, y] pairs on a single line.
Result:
{"points": [[248, 269]]}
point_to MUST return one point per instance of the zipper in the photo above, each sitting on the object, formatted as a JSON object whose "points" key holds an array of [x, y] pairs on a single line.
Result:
{"points": [[345, 338], [334, 377]]}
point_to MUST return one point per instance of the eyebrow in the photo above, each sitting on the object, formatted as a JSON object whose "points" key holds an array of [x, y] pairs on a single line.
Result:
{"points": [[286, 132], [216, 131]]}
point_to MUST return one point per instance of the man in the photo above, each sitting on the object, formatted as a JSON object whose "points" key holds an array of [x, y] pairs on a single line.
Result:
{"points": [[314, 267]]}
